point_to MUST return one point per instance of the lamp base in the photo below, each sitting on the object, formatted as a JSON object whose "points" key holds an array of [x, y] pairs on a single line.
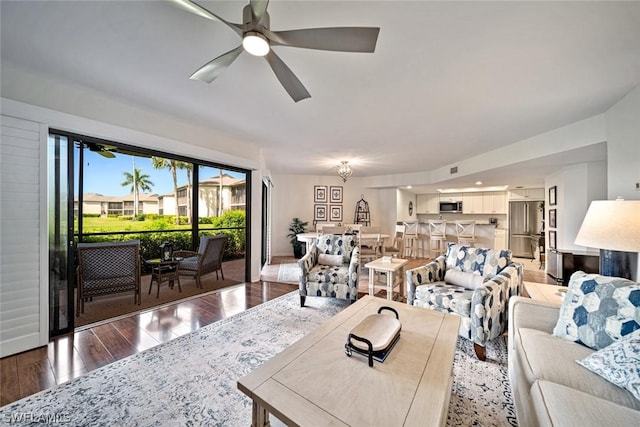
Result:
{"points": [[619, 264]]}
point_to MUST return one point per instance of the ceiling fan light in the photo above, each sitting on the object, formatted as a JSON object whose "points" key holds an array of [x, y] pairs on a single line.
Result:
{"points": [[255, 43]]}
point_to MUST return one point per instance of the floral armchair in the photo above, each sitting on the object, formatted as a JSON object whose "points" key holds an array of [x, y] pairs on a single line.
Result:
{"points": [[330, 268], [474, 283]]}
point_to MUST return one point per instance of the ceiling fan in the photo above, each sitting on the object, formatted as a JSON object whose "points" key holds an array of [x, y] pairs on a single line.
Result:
{"points": [[257, 39]]}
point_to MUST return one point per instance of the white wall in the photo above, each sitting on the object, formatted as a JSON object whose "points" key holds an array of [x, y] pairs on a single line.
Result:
{"points": [[293, 197], [402, 212], [623, 147], [576, 186]]}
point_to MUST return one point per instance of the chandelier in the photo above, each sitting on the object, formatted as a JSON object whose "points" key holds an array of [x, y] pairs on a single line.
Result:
{"points": [[344, 170]]}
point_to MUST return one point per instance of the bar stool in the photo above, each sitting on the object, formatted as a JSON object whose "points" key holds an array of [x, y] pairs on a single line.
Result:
{"points": [[466, 231], [437, 236], [410, 238]]}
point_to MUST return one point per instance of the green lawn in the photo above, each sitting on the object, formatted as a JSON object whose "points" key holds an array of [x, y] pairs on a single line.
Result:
{"points": [[107, 225]]}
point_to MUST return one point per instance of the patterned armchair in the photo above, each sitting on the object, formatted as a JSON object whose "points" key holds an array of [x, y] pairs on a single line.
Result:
{"points": [[474, 283], [330, 268]]}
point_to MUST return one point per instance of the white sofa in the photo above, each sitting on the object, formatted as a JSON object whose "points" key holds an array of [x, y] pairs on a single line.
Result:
{"points": [[549, 387]]}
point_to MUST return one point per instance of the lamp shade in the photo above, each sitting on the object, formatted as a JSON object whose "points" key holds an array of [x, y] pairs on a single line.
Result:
{"points": [[612, 225]]}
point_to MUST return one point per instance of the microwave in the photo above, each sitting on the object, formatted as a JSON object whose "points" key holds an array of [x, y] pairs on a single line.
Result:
{"points": [[450, 207]]}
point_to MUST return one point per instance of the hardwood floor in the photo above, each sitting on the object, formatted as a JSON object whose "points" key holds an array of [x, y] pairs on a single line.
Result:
{"points": [[73, 355]]}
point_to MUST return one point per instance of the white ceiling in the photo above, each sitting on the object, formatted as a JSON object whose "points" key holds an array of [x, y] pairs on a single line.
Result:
{"points": [[448, 80]]}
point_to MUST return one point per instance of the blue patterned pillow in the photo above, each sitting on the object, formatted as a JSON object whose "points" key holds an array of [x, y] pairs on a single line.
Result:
{"points": [[598, 310], [618, 363], [482, 261]]}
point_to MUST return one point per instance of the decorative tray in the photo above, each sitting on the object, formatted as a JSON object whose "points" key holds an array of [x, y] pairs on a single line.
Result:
{"points": [[375, 336]]}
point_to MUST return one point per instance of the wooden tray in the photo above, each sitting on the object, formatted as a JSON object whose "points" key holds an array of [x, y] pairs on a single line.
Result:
{"points": [[375, 336]]}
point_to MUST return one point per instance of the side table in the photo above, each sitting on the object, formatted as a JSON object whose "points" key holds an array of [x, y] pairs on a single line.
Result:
{"points": [[542, 292], [388, 267], [163, 271]]}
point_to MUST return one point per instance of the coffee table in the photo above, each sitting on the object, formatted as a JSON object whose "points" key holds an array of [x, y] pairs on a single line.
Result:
{"points": [[313, 382], [390, 268]]}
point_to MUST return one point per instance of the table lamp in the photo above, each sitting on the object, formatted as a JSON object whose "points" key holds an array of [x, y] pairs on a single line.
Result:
{"points": [[613, 226]]}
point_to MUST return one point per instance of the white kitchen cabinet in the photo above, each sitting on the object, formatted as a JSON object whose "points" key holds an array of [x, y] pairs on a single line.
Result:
{"points": [[472, 203], [494, 202], [428, 203], [451, 197], [500, 239], [527, 194]]}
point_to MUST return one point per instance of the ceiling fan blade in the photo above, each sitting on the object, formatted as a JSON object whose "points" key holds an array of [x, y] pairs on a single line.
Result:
{"points": [[340, 39], [287, 79], [212, 69], [107, 154], [195, 8], [258, 8]]}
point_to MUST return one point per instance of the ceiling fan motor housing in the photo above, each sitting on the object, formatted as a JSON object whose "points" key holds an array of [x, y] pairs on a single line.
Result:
{"points": [[247, 19]]}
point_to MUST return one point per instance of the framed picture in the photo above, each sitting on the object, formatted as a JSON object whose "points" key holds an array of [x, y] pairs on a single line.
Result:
{"points": [[552, 239], [335, 194], [320, 194], [320, 212], [552, 196], [335, 212], [552, 218]]}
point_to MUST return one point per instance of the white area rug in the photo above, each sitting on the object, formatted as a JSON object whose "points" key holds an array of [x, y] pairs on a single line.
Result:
{"points": [[191, 380], [289, 273]]}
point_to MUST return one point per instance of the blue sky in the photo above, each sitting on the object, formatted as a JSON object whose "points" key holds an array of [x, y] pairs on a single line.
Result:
{"points": [[105, 176]]}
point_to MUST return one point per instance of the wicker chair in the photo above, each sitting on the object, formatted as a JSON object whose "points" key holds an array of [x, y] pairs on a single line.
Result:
{"points": [[206, 260], [107, 268]]}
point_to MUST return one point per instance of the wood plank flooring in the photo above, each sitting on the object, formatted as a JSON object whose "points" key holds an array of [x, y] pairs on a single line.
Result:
{"points": [[73, 355]]}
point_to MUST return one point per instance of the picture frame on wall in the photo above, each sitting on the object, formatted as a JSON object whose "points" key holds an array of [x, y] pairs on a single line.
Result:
{"points": [[552, 218], [320, 194], [552, 195], [335, 213], [335, 194], [320, 212], [552, 239]]}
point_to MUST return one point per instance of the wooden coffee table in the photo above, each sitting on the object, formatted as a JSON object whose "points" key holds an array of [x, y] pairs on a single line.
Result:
{"points": [[313, 382]]}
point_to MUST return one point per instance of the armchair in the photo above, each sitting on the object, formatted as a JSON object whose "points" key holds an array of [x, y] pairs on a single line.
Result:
{"points": [[330, 268], [107, 268], [206, 260], [473, 283]]}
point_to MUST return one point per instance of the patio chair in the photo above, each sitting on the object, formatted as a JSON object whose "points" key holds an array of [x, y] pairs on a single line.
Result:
{"points": [[107, 268], [206, 260]]}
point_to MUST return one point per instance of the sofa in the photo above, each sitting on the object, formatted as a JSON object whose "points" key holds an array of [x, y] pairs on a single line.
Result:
{"points": [[330, 268], [596, 325], [474, 283]]}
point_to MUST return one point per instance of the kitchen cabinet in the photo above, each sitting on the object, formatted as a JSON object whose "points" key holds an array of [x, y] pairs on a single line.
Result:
{"points": [[527, 194], [472, 203], [494, 202], [451, 197], [500, 239], [428, 203]]}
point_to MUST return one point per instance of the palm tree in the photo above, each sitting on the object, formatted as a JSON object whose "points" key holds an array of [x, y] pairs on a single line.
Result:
{"points": [[187, 167], [138, 181], [160, 163]]}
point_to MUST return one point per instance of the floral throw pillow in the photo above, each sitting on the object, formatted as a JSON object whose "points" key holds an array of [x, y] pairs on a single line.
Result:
{"points": [[618, 363]]}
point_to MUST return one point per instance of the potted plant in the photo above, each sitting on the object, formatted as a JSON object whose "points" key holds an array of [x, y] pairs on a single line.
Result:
{"points": [[296, 227]]}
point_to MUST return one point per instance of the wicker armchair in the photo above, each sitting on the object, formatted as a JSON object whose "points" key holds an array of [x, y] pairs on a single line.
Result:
{"points": [[107, 268], [206, 260]]}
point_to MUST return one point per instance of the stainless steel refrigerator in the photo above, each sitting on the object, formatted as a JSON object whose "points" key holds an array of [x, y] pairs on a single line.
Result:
{"points": [[524, 227]]}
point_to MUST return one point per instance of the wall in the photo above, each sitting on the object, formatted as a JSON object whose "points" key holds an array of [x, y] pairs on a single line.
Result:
{"points": [[402, 206], [576, 186], [623, 147], [293, 197]]}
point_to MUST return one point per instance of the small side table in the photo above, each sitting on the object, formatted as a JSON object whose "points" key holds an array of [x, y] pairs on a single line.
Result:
{"points": [[379, 266], [163, 271], [548, 293]]}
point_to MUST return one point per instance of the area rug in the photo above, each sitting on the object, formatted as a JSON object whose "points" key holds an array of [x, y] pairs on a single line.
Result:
{"points": [[289, 273], [191, 380]]}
